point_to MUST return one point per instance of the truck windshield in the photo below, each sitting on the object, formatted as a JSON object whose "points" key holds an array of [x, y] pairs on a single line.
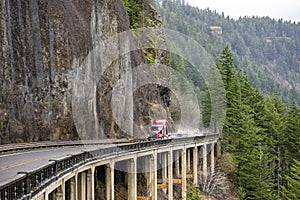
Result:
{"points": [[156, 128]]}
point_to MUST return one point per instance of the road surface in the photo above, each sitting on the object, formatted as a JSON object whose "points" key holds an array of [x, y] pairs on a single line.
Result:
{"points": [[11, 164]]}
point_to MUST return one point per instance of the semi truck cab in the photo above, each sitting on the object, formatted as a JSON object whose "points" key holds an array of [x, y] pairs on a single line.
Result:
{"points": [[159, 130]]}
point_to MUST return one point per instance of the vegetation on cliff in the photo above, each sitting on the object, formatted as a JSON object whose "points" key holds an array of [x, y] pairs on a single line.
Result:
{"points": [[266, 49], [261, 134]]}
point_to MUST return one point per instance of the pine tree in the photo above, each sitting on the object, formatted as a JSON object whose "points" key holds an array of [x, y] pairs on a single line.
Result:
{"points": [[252, 154], [291, 138], [292, 191], [226, 67], [244, 134], [273, 125], [228, 72]]}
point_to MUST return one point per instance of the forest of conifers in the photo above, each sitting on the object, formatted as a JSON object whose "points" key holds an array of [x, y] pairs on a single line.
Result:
{"points": [[268, 50], [258, 59]]}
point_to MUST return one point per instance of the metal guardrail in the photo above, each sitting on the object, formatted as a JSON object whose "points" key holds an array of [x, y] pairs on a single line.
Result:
{"points": [[7, 148], [31, 183]]}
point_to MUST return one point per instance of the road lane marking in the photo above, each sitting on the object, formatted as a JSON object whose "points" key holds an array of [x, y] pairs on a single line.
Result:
{"points": [[38, 159], [18, 164], [25, 162]]}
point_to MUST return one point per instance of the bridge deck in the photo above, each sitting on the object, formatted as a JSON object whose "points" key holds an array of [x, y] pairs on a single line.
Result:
{"points": [[11, 164]]}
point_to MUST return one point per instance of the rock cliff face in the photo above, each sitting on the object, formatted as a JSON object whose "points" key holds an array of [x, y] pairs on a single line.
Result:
{"points": [[45, 46]]}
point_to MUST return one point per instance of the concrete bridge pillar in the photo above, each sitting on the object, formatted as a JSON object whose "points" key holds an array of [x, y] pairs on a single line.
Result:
{"points": [[183, 173], [132, 179], [147, 170], [90, 184], [82, 185], [170, 174], [76, 186], [177, 168], [72, 189], [153, 175], [164, 168], [188, 166], [212, 158], [110, 182], [60, 192], [218, 148], [204, 168], [57, 194], [195, 165], [45, 196]]}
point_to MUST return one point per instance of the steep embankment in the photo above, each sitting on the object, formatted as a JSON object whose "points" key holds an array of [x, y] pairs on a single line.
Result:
{"points": [[44, 45]]}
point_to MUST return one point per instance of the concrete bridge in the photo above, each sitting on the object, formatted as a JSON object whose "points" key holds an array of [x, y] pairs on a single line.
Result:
{"points": [[145, 169]]}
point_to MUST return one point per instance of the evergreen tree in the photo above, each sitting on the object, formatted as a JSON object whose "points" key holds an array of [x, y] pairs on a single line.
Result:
{"points": [[227, 70], [291, 138], [254, 41], [244, 135], [292, 191], [273, 125], [252, 154], [226, 66]]}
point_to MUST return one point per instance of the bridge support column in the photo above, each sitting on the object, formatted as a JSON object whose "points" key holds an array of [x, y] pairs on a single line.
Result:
{"points": [[91, 184], [73, 190], [147, 169], [177, 168], [110, 182], [218, 148], [212, 158], [170, 174], [153, 175], [195, 165], [57, 194], [204, 168], [46, 196], [76, 187], [188, 166], [60, 192], [132, 179], [83, 185], [164, 168], [183, 173]]}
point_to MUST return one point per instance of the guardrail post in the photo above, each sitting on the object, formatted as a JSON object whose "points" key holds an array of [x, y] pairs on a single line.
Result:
{"points": [[26, 186]]}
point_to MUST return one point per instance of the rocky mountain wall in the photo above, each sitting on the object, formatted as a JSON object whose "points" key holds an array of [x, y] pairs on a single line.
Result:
{"points": [[45, 48]]}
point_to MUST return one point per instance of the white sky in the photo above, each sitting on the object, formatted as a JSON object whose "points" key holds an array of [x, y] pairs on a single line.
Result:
{"points": [[285, 9]]}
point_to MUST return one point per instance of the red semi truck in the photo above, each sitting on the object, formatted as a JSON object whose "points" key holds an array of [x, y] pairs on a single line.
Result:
{"points": [[159, 129]]}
